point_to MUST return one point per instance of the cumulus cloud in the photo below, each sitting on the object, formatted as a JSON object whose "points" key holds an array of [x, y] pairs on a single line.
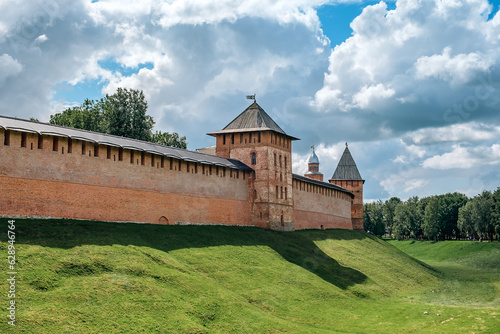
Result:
{"points": [[459, 69], [408, 85], [8, 67], [403, 68], [465, 158], [469, 132]]}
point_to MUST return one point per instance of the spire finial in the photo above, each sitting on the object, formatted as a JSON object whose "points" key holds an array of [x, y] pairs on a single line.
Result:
{"points": [[252, 97], [312, 147], [346, 145]]}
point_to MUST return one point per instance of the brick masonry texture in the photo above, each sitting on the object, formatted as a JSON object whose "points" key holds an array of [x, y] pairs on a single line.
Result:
{"points": [[49, 176]]}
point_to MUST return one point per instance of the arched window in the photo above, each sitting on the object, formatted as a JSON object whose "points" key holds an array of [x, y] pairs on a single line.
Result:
{"points": [[254, 158]]}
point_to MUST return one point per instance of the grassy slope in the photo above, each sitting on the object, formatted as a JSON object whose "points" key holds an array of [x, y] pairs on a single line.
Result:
{"points": [[77, 276], [471, 271]]}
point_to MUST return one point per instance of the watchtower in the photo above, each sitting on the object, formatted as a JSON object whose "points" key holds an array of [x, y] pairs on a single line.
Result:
{"points": [[255, 139], [347, 176]]}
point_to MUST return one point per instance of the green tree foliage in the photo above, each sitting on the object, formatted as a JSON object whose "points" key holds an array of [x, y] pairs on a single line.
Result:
{"points": [[389, 211], [407, 219], [169, 139], [495, 214], [465, 222], [476, 218], [88, 116], [122, 114], [431, 218], [374, 218], [449, 204], [440, 217]]}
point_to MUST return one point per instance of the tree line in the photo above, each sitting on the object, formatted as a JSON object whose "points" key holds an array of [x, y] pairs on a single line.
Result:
{"points": [[441, 217], [122, 114]]}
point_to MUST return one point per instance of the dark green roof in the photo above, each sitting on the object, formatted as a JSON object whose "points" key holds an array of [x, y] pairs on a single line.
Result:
{"points": [[347, 169], [253, 118]]}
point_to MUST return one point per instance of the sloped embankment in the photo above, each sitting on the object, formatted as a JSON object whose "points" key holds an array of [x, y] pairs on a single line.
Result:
{"points": [[79, 276]]}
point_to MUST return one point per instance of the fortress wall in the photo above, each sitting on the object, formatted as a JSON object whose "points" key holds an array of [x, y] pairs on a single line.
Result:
{"points": [[316, 206], [100, 182]]}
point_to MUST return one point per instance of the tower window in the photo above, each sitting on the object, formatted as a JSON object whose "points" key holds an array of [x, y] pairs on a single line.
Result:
{"points": [[143, 158], [23, 139], [84, 146], [96, 150], [120, 154], [40, 143], [250, 138], [108, 152], [131, 157], [277, 189], [254, 158], [258, 137], [241, 138], [70, 145], [224, 139], [152, 160], [6, 138], [285, 162], [162, 161], [232, 139], [55, 144]]}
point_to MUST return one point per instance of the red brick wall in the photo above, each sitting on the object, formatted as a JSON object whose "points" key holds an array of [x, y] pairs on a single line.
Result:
{"points": [[43, 182], [356, 187], [316, 207]]}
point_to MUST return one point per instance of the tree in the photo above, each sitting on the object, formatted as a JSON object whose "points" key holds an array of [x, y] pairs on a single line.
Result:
{"points": [[431, 219], [122, 114], [407, 219], [448, 213], [88, 116], [483, 205], [465, 221], [125, 113], [389, 211], [169, 139], [495, 214], [374, 218]]}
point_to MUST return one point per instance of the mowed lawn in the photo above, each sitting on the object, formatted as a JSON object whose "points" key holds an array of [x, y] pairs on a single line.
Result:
{"points": [[96, 277]]}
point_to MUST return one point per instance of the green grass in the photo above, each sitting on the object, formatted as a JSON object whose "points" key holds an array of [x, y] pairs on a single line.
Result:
{"points": [[470, 271], [93, 277]]}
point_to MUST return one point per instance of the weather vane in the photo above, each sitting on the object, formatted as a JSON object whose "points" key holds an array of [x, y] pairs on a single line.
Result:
{"points": [[251, 97]]}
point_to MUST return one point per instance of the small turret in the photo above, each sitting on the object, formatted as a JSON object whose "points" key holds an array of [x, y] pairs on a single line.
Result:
{"points": [[313, 167]]}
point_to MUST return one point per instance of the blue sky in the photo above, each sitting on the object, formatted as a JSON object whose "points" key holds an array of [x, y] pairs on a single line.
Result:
{"points": [[411, 85]]}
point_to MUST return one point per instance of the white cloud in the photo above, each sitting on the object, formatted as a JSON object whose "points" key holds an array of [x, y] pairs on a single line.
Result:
{"points": [[367, 96], [465, 158], [472, 131], [423, 55], [459, 69], [8, 67], [415, 184]]}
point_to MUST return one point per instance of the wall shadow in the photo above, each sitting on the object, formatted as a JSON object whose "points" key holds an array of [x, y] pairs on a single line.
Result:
{"points": [[296, 247]]}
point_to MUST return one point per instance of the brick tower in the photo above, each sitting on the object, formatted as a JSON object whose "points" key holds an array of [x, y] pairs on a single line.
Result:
{"points": [[347, 176], [313, 167], [255, 139]]}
